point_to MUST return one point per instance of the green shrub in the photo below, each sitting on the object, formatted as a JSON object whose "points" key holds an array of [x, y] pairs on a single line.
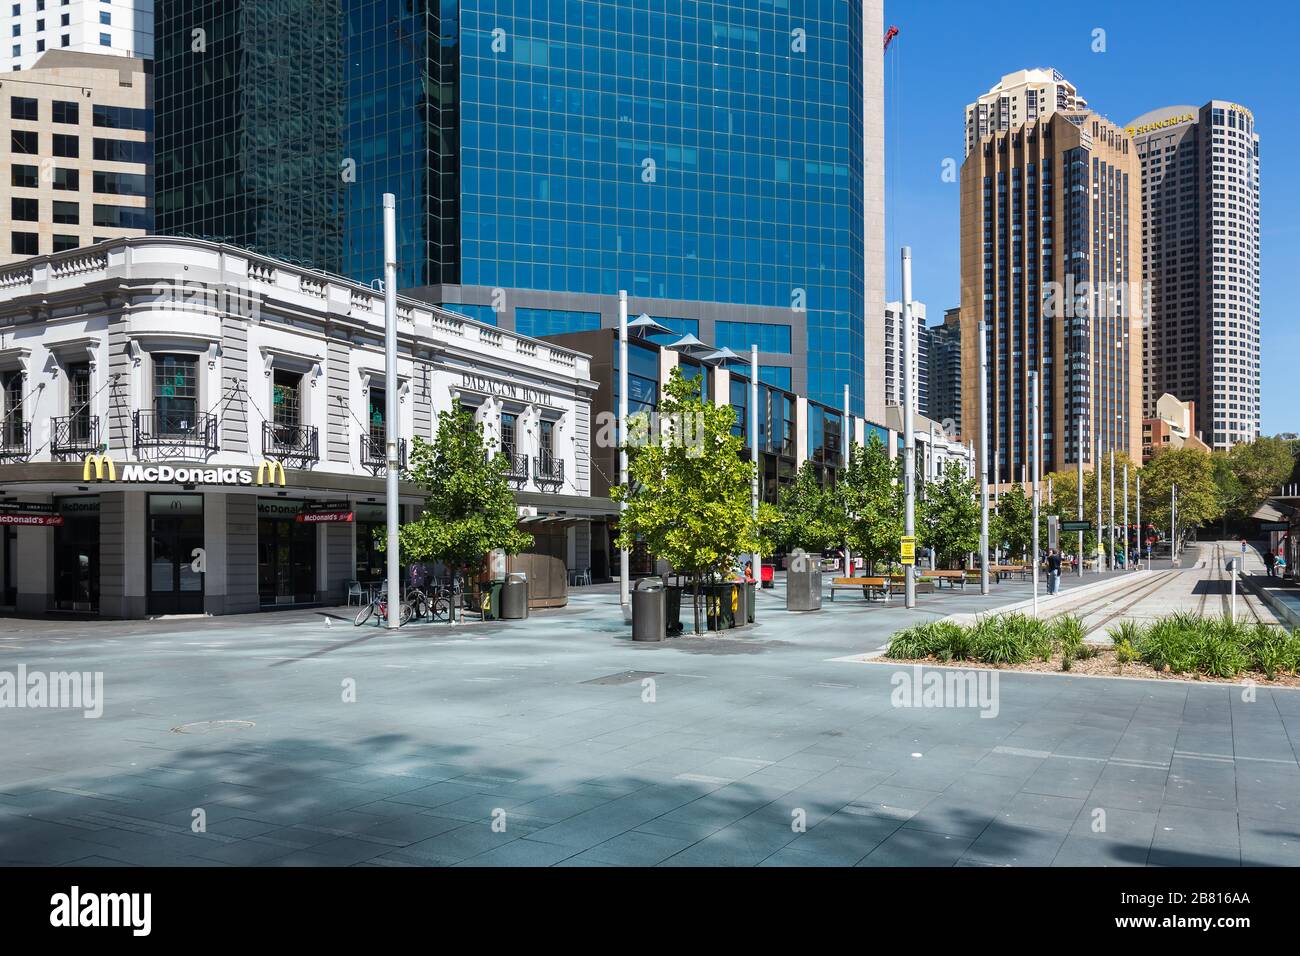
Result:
{"points": [[931, 639], [1125, 652], [1219, 648], [1273, 650], [1170, 643], [1128, 632], [1007, 638], [1088, 651], [1067, 633]]}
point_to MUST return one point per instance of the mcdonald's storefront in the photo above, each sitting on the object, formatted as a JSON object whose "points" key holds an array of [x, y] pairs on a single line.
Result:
{"points": [[133, 540]]}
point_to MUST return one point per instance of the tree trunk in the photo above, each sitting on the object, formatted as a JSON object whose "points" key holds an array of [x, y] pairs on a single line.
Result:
{"points": [[696, 603]]}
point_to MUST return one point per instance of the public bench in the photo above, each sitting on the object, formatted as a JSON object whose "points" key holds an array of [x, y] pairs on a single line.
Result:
{"points": [[1004, 571], [869, 586], [924, 583], [952, 577]]}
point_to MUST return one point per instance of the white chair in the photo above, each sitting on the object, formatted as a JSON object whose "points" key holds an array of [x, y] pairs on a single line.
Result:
{"points": [[355, 591], [585, 577]]}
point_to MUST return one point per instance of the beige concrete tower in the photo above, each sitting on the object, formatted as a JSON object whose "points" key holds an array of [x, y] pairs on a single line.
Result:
{"points": [[1050, 251]]}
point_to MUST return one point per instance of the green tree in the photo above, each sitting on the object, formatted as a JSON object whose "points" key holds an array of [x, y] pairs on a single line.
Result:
{"points": [[948, 516], [688, 490], [469, 508], [1192, 470], [1065, 505], [1254, 471], [870, 498], [808, 516], [1013, 525]]}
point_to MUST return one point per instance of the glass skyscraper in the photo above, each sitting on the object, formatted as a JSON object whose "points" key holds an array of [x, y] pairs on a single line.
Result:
{"points": [[705, 156]]}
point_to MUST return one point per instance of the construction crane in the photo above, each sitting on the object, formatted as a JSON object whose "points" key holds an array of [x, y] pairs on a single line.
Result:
{"points": [[892, 32]]}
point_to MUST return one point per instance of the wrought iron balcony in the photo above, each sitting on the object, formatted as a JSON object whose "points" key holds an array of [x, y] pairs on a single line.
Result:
{"points": [[374, 456], [178, 434], [74, 434], [292, 443], [548, 470], [15, 440], [516, 465]]}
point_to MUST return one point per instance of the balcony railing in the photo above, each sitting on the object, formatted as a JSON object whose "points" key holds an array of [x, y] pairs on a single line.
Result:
{"points": [[74, 435], [15, 440], [548, 470], [516, 465], [374, 456], [293, 443], [175, 433]]}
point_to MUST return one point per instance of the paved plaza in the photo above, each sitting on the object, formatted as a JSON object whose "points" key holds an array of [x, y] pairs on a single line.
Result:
{"points": [[559, 741]]}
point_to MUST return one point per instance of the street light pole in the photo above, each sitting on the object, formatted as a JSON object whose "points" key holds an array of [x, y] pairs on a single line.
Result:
{"points": [[753, 450], [624, 563], [391, 430], [1079, 455], [1112, 509], [984, 461], [1096, 470], [1173, 525], [844, 463], [1036, 464], [1128, 556], [909, 439], [1137, 499]]}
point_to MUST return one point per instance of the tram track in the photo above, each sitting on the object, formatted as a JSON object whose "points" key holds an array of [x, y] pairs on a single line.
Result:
{"points": [[1128, 596]]}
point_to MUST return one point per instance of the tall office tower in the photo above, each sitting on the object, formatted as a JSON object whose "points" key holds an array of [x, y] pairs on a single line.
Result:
{"points": [[944, 355], [1200, 254], [1050, 250], [1020, 97], [77, 154], [114, 27], [894, 355], [714, 161]]}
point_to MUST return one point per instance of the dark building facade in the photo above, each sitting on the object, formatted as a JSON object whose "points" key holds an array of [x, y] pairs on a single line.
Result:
{"points": [[944, 356], [709, 159]]}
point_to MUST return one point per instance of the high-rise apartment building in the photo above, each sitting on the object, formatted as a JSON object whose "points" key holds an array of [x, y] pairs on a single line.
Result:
{"points": [[1200, 255], [1020, 97], [78, 153], [1050, 249], [723, 163], [944, 356], [33, 27], [894, 356]]}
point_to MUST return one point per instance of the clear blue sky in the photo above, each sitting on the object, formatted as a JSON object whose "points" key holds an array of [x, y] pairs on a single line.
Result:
{"points": [[1157, 54]]}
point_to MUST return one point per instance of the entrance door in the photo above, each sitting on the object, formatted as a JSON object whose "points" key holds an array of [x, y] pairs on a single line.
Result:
{"points": [[286, 568], [175, 535], [9, 584], [76, 556]]}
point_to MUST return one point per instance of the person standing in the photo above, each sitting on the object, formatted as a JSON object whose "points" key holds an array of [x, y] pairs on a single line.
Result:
{"points": [[1270, 560], [1053, 572]]}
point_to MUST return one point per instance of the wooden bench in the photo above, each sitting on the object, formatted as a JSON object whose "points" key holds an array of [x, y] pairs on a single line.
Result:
{"points": [[1003, 571], [869, 586], [952, 577], [924, 583]]}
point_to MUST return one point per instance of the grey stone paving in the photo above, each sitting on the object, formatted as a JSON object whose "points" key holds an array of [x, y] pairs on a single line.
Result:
{"points": [[746, 739]]}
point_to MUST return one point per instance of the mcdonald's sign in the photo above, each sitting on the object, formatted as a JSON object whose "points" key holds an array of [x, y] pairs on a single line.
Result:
{"points": [[102, 465], [267, 472]]}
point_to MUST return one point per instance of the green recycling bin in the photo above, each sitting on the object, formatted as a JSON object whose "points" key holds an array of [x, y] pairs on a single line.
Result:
{"points": [[490, 600]]}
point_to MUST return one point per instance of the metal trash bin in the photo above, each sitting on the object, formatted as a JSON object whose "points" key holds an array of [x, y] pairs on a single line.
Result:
{"points": [[803, 590], [514, 597], [648, 610]]}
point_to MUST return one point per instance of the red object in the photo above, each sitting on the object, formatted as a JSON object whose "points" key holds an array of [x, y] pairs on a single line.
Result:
{"points": [[893, 32], [767, 573], [325, 517], [42, 521]]}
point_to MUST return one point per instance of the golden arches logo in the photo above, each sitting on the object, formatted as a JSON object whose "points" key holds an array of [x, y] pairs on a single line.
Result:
{"points": [[269, 471], [101, 464]]}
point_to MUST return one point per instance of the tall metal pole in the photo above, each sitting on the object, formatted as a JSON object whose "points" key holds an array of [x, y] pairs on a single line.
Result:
{"points": [[391, 429], [1096, 470], [844, 463], [1173, 524], [753, 449], [1037, 464], [1112, 509], [1128, 555], [624, 564], [1079, 447], [909, 439], [1138, 501], [984, 461]]}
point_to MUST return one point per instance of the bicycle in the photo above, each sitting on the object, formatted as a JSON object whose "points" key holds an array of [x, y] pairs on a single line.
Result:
{"points": [[379, 607], [444, 600], [420, 604]]}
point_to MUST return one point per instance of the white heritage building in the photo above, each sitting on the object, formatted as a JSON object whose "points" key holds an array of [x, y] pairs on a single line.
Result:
{"points": [[187, 427]]}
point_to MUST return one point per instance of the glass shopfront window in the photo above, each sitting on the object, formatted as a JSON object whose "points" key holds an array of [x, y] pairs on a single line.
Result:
{"points": [[76, 555], [286, 554]]}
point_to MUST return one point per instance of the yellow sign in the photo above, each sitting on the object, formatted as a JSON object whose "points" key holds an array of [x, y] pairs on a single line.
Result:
{"points": [[270, 469], [909, 550], [1159, 124], [101, 464], [1241, 109]]}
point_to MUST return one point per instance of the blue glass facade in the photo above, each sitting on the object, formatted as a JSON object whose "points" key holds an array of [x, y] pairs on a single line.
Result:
{"points": [[699, 152]]}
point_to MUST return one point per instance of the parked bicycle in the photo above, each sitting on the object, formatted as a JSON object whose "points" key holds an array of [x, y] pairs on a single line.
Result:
{"points": [[378, 608]]}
